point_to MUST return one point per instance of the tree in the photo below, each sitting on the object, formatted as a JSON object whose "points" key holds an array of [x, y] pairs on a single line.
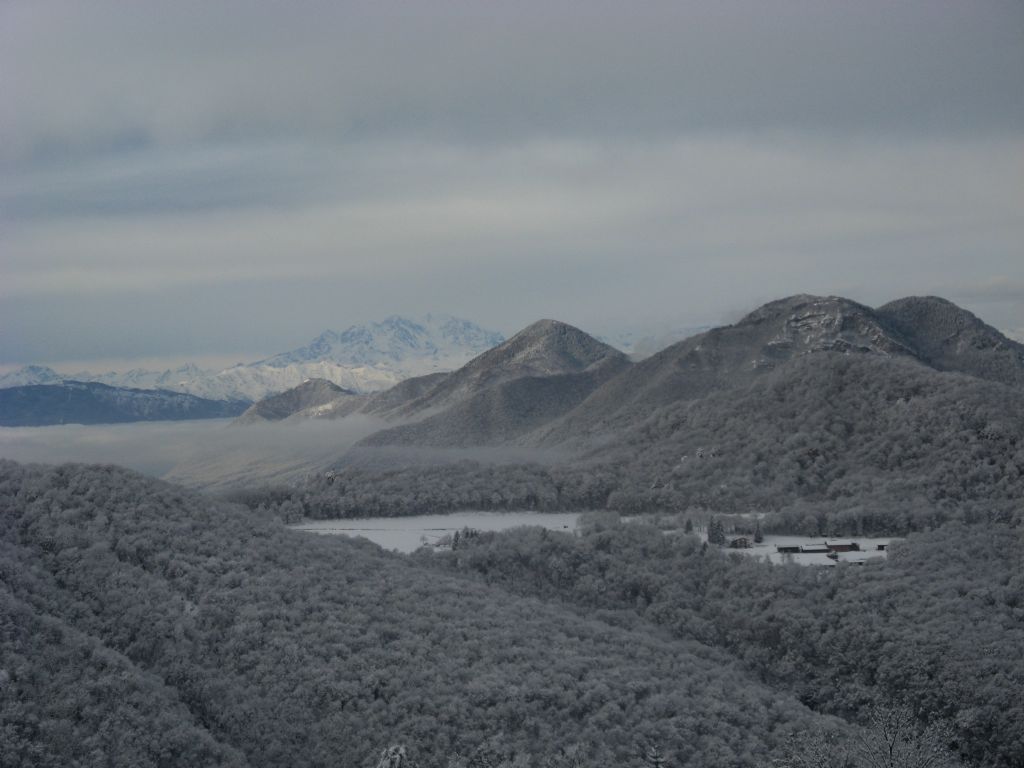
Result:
{"points": [[395, 757], [758, 535], [688, 528], [892, 738], [716, 532], [652, 757]]}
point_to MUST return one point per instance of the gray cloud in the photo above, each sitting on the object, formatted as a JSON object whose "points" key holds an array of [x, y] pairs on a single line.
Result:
{"points": [[200, 178], [109, 75]]}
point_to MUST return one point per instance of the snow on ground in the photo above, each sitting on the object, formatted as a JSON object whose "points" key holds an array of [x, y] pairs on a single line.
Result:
{"points": [[407, 534]]}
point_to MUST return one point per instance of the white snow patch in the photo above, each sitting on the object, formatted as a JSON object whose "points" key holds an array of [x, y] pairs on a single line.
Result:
{"points": [[407, 534]]}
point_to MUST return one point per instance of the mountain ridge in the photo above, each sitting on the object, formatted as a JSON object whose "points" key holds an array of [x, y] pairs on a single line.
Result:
{"points": [[364, 358], [78, 402]]}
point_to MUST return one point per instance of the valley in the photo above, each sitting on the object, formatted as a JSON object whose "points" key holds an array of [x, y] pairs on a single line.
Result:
{"points": [[512, 385], [335, 559]]}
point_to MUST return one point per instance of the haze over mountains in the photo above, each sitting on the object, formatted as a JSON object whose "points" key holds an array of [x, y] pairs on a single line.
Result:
{"points": [[568, 386], [920, 364], [363, 358]]}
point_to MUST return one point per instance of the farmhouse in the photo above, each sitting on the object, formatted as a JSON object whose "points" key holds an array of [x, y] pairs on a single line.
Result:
{"points": [[740, 543], [842, 546], [815, 548]]}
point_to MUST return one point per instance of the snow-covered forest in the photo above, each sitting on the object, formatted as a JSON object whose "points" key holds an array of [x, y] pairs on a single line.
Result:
{"points": [[150, 626]]}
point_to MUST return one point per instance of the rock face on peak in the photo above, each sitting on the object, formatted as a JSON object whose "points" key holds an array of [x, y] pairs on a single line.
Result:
{"points": [[802, 324], [308, 396], [950, 338]]}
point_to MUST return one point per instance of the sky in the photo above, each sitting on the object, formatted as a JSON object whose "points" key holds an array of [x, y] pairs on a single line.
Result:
{"points": [[223, 180]]}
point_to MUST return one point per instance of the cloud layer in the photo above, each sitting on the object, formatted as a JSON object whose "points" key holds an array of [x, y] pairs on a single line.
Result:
{"points": [[200, 178]]}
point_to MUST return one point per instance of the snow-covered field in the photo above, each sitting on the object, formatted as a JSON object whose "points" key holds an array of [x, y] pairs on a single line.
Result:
{"points": [[406, 534]]}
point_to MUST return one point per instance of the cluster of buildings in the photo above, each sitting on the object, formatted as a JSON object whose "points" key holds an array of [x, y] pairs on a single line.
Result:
{"points": [[828, 552], [825, 548]]}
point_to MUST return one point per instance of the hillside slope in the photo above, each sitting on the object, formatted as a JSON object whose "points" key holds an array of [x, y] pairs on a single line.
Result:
{"points": [[933, 332], [309, 396], [545, 348], [949, 338], [888, 440], [540, 373], [298, 650]]}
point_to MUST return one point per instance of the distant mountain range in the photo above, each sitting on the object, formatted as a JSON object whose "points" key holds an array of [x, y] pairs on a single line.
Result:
{"points": [[554, 387], [77, 402], [433, 341], [363, 358]]}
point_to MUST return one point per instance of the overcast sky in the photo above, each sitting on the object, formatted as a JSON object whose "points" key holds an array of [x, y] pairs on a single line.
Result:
{"points": [[224, 180]]}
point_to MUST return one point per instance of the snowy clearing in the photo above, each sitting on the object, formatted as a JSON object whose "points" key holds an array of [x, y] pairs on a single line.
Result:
{"points": [[407, 534]]}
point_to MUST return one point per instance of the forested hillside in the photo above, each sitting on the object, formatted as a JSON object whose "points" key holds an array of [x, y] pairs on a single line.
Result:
{"points": [[940, 624], [862, 435], [176, 627], [831, 443]]}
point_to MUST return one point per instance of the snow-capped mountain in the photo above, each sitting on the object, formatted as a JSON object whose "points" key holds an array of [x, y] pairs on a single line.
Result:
{"points": [[29, 375], [433, 342], [362, 358]]}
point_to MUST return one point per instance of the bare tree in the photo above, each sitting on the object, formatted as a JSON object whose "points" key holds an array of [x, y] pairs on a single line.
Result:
{"points": [[892, 738], [895, 739], [395, 757]]}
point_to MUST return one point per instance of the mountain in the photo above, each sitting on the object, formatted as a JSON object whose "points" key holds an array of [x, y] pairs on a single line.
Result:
{"points": [[430, 342], [76, 402], [880, 442], [30, 374], [823, 410], [309, 397], [737, 355], [541, 372], [554, 388], [363, 358], [949, 338]]}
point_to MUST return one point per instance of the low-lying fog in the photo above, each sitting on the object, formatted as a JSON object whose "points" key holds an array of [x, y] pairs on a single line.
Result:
{"points": [[207, 453], [215, 455]]}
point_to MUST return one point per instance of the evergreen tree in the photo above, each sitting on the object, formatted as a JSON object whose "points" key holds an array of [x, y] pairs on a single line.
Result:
{"points": [[758, 535], [716, 532]]}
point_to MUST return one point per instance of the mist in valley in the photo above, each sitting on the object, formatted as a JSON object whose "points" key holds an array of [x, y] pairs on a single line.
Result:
{"points": [[211, 453]]}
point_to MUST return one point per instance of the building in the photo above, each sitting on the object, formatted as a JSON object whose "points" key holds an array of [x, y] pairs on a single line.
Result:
{"points": [[842, 546], [741, 542], [815, 548]]}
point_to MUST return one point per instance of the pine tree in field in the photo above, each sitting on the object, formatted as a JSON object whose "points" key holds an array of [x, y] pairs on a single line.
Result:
{"points": [[758, 535], [688, 528], [716, 532]]}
